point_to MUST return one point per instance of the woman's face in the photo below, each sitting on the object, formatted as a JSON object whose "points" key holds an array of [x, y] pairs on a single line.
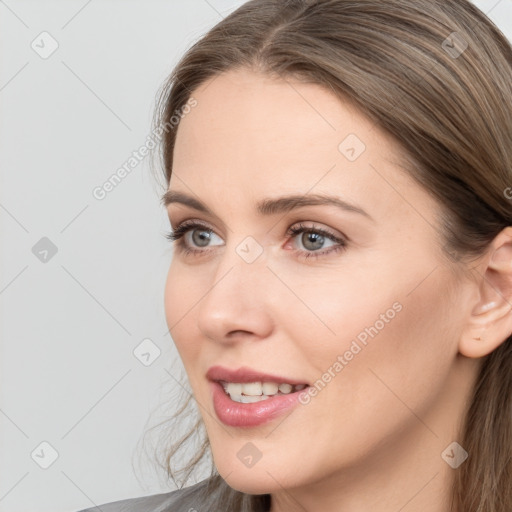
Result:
{"points": [[363, 308]]}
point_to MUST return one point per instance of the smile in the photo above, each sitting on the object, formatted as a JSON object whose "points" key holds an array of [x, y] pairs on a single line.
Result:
{"points": [[251, 392]]}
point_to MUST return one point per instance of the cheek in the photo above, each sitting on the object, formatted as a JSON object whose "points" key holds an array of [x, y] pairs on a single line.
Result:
{"points": [[333, 313], [179, 300], [378, 339], [396, 348], [402, 365], [173, 289]]}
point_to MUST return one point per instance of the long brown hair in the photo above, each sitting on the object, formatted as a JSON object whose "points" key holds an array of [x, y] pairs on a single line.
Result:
{"points": [[435, 75]]}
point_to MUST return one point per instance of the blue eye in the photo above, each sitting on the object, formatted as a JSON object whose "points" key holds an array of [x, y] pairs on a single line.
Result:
{"points": [[313, 239]]}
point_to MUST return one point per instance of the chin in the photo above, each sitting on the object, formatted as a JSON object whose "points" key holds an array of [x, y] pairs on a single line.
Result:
{"points": [[250, 483], [262, 478]]}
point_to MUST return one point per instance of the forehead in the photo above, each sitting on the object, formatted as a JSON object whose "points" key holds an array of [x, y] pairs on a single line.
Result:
{"points": [[256, 136], [259, 113]]}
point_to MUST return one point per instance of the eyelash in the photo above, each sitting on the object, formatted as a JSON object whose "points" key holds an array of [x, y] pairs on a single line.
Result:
{"points": [[178, 236]]}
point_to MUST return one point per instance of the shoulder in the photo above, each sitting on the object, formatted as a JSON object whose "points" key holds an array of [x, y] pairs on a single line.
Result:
{"points": [[181, 500]]}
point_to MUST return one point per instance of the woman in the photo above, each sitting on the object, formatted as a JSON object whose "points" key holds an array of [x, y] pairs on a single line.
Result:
{"points": [[339, 186]]}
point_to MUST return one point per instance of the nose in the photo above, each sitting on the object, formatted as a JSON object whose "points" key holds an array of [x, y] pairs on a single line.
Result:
{"points": [[238, 302]]}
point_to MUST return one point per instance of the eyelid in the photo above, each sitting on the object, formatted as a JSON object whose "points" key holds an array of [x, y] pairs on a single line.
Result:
{"points": [[341, 242], [188, 225]]}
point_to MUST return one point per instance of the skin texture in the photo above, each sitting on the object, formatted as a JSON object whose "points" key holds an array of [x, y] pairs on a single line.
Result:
{"points": [[373, 437]]}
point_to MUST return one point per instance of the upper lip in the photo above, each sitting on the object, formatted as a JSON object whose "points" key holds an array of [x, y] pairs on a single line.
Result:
{"points": [[246, 374]]}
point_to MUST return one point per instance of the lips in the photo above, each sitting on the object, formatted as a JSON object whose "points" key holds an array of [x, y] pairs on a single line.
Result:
{"points": [[246, 374], [237, 414]]}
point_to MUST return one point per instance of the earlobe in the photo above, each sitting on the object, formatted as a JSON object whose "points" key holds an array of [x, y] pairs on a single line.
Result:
{"points": [[490, 322]]}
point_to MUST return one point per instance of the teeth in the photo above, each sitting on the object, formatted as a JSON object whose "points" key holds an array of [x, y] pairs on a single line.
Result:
{"points": [[270, 388], [285, 388], [250, 392], [234, 388], [249, 399], [252, 388]]}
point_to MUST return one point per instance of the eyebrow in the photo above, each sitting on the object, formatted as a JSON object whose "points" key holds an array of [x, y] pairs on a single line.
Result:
{"points": [[270, 206]]}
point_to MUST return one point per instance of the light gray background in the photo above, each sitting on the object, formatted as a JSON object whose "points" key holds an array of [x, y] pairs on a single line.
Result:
{"points": [[69, 325]]}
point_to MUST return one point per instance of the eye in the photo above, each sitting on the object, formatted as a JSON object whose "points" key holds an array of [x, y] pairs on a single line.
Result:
{"points": [[313, 239], [190, 235], [198, 233]]}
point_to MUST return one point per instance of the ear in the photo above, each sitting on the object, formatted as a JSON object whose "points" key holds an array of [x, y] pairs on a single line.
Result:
{"points": [[490, 322]]}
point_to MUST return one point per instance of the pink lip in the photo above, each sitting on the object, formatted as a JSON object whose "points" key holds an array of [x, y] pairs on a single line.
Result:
{"points": [[236, 414], [246, 374]]}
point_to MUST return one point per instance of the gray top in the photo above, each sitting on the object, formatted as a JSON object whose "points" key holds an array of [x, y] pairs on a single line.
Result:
{"points": [[180, 500]]}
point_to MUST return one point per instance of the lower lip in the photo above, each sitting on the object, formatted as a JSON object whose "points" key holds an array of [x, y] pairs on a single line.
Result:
{"points": [[236, 414]]}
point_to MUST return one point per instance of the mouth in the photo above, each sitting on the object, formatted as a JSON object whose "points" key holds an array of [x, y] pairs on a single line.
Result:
{"points": [[248, 398], [246, 385], [251, 392]]}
